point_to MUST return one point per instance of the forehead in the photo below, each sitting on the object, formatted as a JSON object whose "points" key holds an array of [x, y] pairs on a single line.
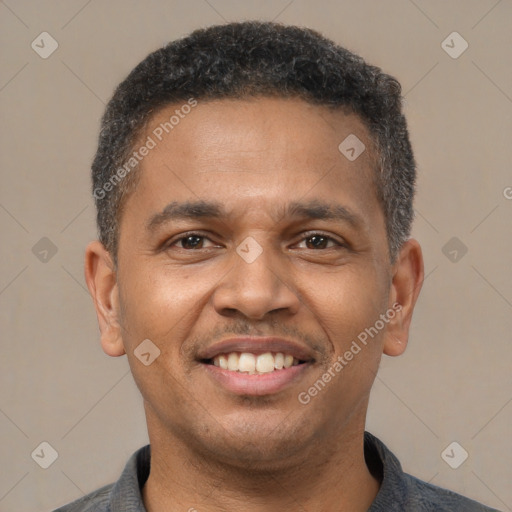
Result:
{"points": [[284, 127], [256, 153]]}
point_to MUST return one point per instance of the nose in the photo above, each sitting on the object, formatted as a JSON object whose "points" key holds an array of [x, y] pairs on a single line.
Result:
{"points": [[256, 288]]}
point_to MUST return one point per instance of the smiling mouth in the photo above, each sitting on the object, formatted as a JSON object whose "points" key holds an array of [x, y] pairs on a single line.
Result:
{"points": [[254, 364]]}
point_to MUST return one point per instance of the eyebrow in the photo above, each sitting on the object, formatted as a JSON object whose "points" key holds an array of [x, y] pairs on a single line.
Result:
{"points": [[193, 210], [316, 209], [188, 210]]}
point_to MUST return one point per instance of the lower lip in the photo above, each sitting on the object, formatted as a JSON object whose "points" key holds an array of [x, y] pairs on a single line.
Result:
{"points": [[257, 385]]}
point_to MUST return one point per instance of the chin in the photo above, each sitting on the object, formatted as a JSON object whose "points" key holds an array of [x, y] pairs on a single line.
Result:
{"points": [[258, 446]]}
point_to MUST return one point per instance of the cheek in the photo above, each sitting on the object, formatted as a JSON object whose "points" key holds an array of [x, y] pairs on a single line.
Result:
{"points": [[351, 301], [348, 302], [161, 303]]}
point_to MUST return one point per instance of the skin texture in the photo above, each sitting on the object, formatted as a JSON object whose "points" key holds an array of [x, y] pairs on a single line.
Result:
{"points": [[212, 449]]}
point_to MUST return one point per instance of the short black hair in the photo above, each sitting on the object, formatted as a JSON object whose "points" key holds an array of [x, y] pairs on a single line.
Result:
{"points": [[254, 58]]}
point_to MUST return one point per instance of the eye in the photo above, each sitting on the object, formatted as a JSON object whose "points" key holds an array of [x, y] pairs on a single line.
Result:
{"points": [[319, 241], [191, 241]]}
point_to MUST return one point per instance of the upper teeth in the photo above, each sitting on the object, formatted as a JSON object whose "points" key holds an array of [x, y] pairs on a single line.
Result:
{"points": [[254, 364]]}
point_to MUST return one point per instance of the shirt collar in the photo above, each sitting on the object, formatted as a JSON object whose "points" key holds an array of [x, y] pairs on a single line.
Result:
{"points": [[126, 493], [387, 469]]}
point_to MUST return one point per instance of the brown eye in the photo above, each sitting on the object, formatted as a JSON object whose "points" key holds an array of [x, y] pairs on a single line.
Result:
{"points": [[191, 242], [316, 242], [319, 241]]}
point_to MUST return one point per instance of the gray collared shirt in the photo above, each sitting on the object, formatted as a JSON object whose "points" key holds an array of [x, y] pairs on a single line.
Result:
{"points": [[398, 492]]}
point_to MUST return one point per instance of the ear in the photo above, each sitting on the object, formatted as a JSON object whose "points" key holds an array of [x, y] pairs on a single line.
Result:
{"points": [[101, 279], [408, 273]]}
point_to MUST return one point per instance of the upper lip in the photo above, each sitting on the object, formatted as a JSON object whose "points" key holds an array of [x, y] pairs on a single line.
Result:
{"points": [[257, 345]]}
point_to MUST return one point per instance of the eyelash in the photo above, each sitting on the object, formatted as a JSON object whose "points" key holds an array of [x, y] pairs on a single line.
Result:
{"points": [[306, 236]]}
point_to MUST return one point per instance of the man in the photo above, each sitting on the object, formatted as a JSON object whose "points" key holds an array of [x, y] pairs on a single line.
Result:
{"points": [[254, 187]]}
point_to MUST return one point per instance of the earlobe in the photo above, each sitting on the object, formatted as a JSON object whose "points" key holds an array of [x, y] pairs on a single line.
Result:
{"points": [[101, 279], [406, 284]]}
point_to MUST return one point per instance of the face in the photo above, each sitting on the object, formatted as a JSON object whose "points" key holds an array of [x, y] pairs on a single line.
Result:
{"points": [[251, 242]]}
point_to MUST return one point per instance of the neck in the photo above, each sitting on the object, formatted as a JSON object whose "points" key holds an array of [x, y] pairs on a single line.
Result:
{"points": [[330, 476]]}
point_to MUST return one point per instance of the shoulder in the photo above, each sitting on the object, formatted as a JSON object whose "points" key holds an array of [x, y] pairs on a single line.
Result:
{"points": [[96, 501], [122, 495], [424, 496], [401, 492]]}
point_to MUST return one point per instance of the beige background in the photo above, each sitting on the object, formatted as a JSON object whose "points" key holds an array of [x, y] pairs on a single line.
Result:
{"points": [[453, 384]]}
